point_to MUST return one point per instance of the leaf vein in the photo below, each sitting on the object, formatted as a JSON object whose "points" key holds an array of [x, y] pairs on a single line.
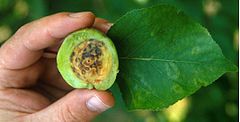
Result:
{"points": [[159, 59]]}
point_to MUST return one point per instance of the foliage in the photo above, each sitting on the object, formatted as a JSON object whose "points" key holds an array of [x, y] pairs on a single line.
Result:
{"points": [[165, 57]]}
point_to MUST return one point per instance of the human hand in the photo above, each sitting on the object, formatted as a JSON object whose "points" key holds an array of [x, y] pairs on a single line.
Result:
{"points": [[31, 89]]}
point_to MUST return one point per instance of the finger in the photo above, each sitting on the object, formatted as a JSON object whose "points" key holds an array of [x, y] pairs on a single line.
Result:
{"points": [[49, 91], [51, 52], [52, 77], [52, 83], [30, 40], [20, 78], [25, 101], [102, 25], [79, 105]]}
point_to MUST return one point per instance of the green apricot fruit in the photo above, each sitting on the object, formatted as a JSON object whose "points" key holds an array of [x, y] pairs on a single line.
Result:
{"points": [[88, 59]]}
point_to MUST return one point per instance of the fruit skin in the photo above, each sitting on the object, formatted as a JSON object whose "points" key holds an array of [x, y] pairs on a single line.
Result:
{"points": [[65, 52]]}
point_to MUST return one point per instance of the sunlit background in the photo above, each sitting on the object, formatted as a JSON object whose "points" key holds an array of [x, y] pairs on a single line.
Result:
{"points": [[215, 103]]}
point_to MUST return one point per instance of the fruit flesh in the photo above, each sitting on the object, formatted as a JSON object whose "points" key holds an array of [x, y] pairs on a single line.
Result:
{"points": [[88, 59], [90, 62]]}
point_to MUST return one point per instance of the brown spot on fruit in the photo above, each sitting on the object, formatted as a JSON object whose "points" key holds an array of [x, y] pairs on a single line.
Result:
{"points": [[87, 61]]}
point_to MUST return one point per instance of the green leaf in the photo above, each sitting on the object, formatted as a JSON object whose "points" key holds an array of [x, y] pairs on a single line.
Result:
{"points": [[164, 56]]}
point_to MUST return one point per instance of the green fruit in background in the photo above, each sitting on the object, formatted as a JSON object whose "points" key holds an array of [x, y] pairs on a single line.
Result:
{"points": [[88, 59]]}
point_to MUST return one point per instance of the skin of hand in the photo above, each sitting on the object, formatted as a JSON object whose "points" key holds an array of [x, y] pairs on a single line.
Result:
{"points": [[31, 88]]}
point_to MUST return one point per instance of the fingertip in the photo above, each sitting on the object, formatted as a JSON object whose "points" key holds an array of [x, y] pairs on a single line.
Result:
{"points": [[81, 14], [102, 25], [86, 94], [100, 101], [106, 97], [101, 20], [88, 18], [78, 105], [66, 23]]}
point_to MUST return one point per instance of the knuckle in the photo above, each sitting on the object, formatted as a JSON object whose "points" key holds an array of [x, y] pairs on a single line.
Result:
{"points": [[67, 114], [23, 28], [22, 31]]}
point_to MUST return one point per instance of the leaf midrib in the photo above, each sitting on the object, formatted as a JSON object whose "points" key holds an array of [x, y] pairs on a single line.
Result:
{"points": [[158, 59]]}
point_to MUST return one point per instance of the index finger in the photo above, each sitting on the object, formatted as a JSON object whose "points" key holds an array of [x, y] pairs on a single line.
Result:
{"points": [[26, 46]]}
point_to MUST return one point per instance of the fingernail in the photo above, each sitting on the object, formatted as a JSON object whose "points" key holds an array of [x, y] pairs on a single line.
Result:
{"points": [[105, 26], [95, 104], [79, 14], [108, 25]]}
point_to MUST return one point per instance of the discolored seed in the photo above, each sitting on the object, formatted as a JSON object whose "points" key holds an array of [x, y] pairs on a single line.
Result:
{"points": [[100, 44], [85, 55], [76, 59], [93, 71], [78, 74], [98, 51], [98, 63], [74, 69], [97, 80], [90, 45], [86, 68], [91, 39], [83, 72], [73, 54]]}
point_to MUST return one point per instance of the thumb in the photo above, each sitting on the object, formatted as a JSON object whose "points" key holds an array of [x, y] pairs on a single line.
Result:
{"points": [[79, 105]]}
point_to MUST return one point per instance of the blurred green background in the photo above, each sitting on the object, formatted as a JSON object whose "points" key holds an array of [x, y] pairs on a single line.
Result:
{"points": [[216, 103]]}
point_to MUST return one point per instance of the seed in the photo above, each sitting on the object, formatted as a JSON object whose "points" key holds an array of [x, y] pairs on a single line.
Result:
{"points": [[97, 80], [91, 39], [85, 55], [98, 51], [74, 69], [86, 68], [83, 72], [93, 71], [73, 54]]}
